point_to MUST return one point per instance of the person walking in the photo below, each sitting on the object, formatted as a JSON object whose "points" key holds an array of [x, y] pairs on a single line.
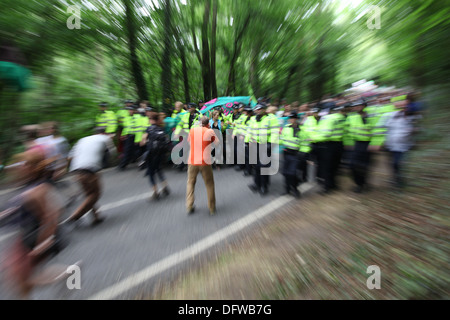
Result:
{"points": [[157, 144], [290, 139], [395, 131], [200, 139], [85, 160]]}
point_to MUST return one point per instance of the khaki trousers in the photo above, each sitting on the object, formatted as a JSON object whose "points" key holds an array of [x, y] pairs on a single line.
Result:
{"points": [[207, 174], [90, 183]]}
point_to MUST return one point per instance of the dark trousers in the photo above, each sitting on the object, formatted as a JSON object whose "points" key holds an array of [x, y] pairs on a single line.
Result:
{"points": [[290, 165], [261, 181], [303, 157], [397, 159], [154, 168], [333, 155], [318, 156], [224, 148], [360, 163], [128, 151], [247, 166]]}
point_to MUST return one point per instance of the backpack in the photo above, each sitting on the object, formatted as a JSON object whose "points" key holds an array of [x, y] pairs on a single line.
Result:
{"points": [[158, 142]]}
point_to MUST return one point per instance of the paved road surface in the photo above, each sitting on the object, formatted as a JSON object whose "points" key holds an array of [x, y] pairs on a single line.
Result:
{"points": [[143, 242]]}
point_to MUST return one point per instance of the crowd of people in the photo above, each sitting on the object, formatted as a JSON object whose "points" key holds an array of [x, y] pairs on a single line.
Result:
{"points": [[343, 130]]}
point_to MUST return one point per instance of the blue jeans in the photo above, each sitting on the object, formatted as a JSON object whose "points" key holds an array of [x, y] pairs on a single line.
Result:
{"points": [[397, 159]]}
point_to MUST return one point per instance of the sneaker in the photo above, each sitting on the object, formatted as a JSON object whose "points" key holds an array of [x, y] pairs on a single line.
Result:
{"points": [[253, 187], [358, 189], [263, 191], [165, 191], [155, 196], [97, 221], [296, 194], [191, 211], [212, 212]]}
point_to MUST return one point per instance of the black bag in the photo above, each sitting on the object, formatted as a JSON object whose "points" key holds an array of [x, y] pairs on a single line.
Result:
{"points": [[158, 142]]}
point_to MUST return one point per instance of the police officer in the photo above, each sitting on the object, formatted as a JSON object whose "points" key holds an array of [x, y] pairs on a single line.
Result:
{"points": [[234, 123], [127, 137], [329, 132], [106, 119], [120, 116], [309, 129], [178, 109], [259, 138], [290, 139], [363, 133]]}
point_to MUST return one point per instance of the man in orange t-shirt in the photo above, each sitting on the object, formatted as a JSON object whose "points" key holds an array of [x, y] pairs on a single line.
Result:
{"points": [[200, 139]]}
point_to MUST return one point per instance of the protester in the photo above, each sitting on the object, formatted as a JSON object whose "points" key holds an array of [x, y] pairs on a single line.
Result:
{"points": [[200, 139]]}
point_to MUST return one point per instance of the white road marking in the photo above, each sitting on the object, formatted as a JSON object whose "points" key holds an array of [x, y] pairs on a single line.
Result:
{"points": [[191, 251], [6, 236], [6, 191], [102, 208]]}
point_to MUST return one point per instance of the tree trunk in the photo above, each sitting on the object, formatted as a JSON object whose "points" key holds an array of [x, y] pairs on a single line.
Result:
{"points": [[231, 85], [166, 74], [254, 76], [206, 67], [213, 51], [292, 71], [184, 68], [132, 45]]}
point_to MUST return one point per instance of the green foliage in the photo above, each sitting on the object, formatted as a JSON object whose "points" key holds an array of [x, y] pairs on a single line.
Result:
{"points": [[284, 49]]}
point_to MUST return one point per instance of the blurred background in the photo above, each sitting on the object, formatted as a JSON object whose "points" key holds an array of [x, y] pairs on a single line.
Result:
{"points": [[168, 50], [59, 59]]}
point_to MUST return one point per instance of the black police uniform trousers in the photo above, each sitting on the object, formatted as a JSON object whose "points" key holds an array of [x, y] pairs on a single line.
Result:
{"points": [[333, 155], [238, 143], [290, 165], [318, 157], [128, 151], [247, 167], [302, 166], [262, 181], [360, 162]]}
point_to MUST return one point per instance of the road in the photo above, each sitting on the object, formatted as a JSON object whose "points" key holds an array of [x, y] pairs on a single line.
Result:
{"points": [[144, 242]]}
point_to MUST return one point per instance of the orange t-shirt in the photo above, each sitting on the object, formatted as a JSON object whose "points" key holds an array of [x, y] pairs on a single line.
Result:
{"points": [[200, 139]]}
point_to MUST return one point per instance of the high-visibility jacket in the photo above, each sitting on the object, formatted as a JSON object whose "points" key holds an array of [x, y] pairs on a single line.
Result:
{"points": [[289, 138], [309, 129], [362, 131], [247, 129], [238, 123], [388, 108], [305, 144], [259, 130], [183, 125], [338, 127], [141, 126], [135, 125], [120, 115], [347, 139], [331, 128], [274, 128], [175, 114], [324, 129], [128, 124], [108, 120]]}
